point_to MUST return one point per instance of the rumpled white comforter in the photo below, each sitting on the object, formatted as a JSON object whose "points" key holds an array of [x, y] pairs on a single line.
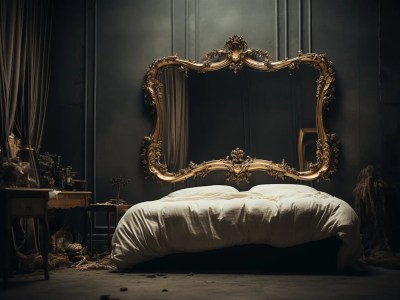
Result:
{"points": [[212, 217]]}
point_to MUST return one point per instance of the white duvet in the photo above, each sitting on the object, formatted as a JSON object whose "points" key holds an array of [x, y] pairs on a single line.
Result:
{"points": [[213, 217]]}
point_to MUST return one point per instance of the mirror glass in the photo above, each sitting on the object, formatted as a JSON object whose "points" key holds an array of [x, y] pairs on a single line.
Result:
{"points": [[239, 112], [258, 111]]}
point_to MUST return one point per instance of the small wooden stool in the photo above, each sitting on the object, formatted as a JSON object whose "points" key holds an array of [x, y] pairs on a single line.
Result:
{"points": [[117, 209]]}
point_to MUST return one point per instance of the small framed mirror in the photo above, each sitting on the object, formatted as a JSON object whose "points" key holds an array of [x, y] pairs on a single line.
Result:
{"points": [[239, 112]]}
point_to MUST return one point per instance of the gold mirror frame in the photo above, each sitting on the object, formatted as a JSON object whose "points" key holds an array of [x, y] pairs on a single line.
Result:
{"points": [[238, 167]]}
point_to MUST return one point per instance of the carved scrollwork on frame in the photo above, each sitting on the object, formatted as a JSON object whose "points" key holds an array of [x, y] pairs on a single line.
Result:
{"points": [[237, 166]]}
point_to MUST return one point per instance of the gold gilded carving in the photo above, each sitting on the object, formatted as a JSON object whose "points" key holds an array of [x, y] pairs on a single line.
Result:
{"points": [[237, 166]]}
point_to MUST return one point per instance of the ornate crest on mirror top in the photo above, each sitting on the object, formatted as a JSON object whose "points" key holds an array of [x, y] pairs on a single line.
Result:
{"points": [[238, 166]]}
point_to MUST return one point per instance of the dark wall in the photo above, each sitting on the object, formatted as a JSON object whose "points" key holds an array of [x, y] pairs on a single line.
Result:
{"points": [[64, 130], [390, 108], [101, 49], [348, 31]]}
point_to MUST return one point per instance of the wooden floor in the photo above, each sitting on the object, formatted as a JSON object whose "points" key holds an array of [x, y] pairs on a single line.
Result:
{"points": [[69, 283]]}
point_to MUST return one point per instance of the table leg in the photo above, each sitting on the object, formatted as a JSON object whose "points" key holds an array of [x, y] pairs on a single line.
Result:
{"points": [[116, 219], [85, 219], [5, 249], [108, 230], [45, 252], [89, 220]]}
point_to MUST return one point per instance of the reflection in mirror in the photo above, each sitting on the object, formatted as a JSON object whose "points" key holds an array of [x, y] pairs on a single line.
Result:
{"points": [[175, 125], [239, 112], [259, 112], [307, 146]]}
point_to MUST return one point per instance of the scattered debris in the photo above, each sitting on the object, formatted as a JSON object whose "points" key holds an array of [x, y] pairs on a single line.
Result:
{"points": [[100, 264]]}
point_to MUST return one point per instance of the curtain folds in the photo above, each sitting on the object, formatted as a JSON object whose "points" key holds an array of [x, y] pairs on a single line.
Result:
{"points": [[25, 29], [11, 64], [31, 109], [175, 133]]}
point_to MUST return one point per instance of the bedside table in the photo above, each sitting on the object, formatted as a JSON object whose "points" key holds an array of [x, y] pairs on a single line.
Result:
{"points": [[72, 199], [22, 203], [118, 210]]}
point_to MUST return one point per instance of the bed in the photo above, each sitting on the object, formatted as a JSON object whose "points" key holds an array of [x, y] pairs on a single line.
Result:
{"points": [[219, 216], [214, 216]]}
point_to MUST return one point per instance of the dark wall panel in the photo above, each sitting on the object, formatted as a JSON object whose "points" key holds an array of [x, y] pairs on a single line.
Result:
{"points": [[130, 34], [347, 33], [64, 129], [390, 102], [293, 28], [254, 20], [125, 36]]}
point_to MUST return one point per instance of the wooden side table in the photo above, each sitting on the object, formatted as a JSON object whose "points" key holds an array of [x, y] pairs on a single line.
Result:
{"points": [[20, 203], [117, 209], [72, 199]]}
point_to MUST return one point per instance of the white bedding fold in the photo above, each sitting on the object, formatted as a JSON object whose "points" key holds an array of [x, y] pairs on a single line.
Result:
{"points": [[206, 219]]}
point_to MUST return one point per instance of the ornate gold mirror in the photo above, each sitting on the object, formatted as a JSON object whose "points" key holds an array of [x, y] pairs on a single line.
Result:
{"points": [[237, 98]]}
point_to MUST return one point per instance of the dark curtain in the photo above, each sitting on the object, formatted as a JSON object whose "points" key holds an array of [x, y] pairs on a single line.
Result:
{"points": [[25, 27], [34, 87], [12, 20]]}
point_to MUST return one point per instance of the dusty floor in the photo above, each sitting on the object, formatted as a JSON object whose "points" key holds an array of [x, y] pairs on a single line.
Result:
{"points": [[72, 284]]}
